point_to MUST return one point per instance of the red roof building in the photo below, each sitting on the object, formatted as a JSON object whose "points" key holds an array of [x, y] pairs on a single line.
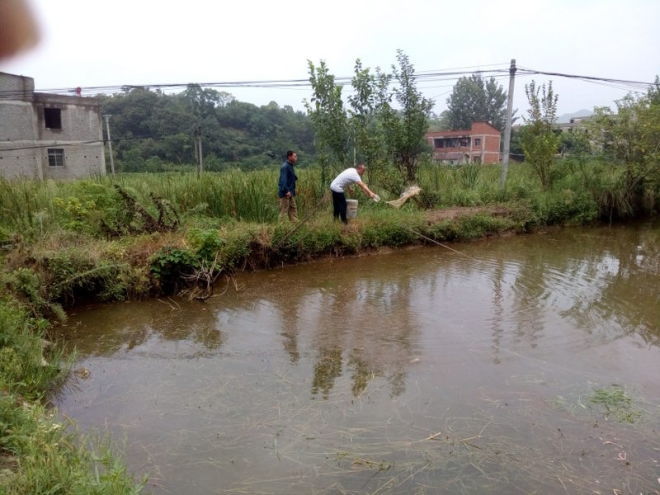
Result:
{"points": [[480, 144]]}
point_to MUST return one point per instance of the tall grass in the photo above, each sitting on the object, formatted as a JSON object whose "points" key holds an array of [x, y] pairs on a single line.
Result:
{"points": [[31, 207]]}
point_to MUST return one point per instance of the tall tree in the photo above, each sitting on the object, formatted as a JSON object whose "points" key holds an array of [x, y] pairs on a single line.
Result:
{"points": [[404, 128], [328, 116], [363, 119], [474, 99], [539, 141]]}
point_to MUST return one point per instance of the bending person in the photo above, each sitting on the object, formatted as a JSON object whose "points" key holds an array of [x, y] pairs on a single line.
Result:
{"points": [[345, 180]]}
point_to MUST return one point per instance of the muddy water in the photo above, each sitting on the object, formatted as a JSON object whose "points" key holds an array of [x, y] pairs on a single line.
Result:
{"points": [[418, 371]]}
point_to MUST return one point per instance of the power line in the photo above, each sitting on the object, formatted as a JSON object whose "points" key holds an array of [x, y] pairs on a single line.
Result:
{"points": [[273, 84], [303, 84], [590, 78], [430, 75]]}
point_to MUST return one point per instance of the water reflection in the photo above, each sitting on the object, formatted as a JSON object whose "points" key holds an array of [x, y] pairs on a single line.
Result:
{"points": [[366, 321], [106, 330]]}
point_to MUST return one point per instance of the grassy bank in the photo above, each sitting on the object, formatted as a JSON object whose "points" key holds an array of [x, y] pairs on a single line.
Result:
{"points": [[141, 235], [39, 454]]}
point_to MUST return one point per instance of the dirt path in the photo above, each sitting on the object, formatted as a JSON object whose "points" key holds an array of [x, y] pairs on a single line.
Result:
{"points": [[434, 216]]}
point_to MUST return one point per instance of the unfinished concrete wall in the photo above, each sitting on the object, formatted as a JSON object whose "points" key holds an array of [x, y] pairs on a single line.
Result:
{"points": [[80, 136], [14, 87], [29, 140]]}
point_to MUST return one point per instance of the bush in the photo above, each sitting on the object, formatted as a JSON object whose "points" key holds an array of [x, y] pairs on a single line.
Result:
{"points": [[170, 265]]}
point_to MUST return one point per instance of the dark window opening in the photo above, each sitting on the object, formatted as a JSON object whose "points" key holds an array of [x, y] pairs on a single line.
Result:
{"points": [[477, 141], [55, 157], [53, 118]]}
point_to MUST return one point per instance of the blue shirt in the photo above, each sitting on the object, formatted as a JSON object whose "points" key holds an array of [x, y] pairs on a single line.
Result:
{"points": [[287, 180]]}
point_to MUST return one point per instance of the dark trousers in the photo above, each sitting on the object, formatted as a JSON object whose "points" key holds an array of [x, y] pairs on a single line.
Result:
{"points": [[339, 206]]}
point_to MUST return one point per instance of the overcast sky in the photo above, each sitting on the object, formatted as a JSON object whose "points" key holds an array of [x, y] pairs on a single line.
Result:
{"points": [[141, 42]]}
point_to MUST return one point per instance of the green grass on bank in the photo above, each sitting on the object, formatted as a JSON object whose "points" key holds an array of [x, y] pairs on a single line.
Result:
{"points": [[38, 455]]}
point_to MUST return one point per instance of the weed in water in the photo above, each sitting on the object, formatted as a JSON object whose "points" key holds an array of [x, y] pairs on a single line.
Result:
{"points": [[616, 403]]}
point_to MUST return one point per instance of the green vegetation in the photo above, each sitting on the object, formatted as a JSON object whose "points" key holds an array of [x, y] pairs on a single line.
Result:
{"points": [[539, 141], [373, 128], [154, 132], [37, 453], [616, 403], [137, 234], [474, 100]]}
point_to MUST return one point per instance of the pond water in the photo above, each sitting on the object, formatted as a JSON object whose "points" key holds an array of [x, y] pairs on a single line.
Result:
{"points": [[528, 364]]}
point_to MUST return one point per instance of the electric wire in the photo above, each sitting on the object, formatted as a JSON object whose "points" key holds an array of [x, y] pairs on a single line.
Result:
{"points": [[422, 77]]}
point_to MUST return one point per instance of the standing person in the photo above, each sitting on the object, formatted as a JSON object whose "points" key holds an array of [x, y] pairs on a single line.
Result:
{"points": [[346, 179], [287, 188]]}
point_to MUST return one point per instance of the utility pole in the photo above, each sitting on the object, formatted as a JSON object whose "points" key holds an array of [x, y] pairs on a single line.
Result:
{"points": [[107, 129], [507, 130], [198, 145]]}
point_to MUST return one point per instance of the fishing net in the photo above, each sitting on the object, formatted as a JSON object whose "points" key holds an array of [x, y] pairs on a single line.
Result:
{"points": [[405, 196]]}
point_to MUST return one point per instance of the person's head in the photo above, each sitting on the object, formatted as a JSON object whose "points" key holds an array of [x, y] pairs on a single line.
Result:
{"points": [[291, 157], [361, 167]]}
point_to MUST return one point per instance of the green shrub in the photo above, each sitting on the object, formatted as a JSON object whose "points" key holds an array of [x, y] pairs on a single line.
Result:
{"points": [[27, 286], [565, 206], [169, 265], [206, 242], [75, 273]]}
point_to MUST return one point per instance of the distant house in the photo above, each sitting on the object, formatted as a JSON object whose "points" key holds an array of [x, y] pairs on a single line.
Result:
{"points": [[480, 144], [48, 136], [573, 124]]}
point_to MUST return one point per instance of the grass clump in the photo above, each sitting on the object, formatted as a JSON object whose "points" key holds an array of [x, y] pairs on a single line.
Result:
{"points": [[616, 403], [40, 457]]}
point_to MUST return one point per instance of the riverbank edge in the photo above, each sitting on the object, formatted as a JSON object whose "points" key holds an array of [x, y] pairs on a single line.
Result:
{"points": [[69, 269]]}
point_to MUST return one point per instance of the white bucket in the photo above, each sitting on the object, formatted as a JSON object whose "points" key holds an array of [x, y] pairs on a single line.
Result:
{"points": [[351, 208]]}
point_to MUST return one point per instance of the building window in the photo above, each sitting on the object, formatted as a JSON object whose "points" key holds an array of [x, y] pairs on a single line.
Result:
{"points": [[55, 157], [53, 118], [477, 141], [439, 143]]}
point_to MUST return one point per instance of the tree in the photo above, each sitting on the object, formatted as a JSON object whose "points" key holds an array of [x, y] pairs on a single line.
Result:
{"points": [[366, 132], [539, 141], [328, 116], [473, 100], [149, 124], [404, 128], [574, 142], [439, 122], [379, 130], [632, 134]]}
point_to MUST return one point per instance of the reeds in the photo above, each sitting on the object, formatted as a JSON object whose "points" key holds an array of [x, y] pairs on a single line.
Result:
{"points": [[598, 189]]}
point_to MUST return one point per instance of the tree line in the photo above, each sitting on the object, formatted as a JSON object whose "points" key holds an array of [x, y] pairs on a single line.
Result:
{"points": [[154, 131]]}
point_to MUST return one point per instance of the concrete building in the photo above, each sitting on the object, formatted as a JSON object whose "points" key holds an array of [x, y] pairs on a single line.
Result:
{"points": [[480, 144], [48, 136], [575, 123]]}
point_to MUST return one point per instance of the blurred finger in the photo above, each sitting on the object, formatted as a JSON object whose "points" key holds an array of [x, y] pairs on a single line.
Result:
{"points": [[18, 30]]}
